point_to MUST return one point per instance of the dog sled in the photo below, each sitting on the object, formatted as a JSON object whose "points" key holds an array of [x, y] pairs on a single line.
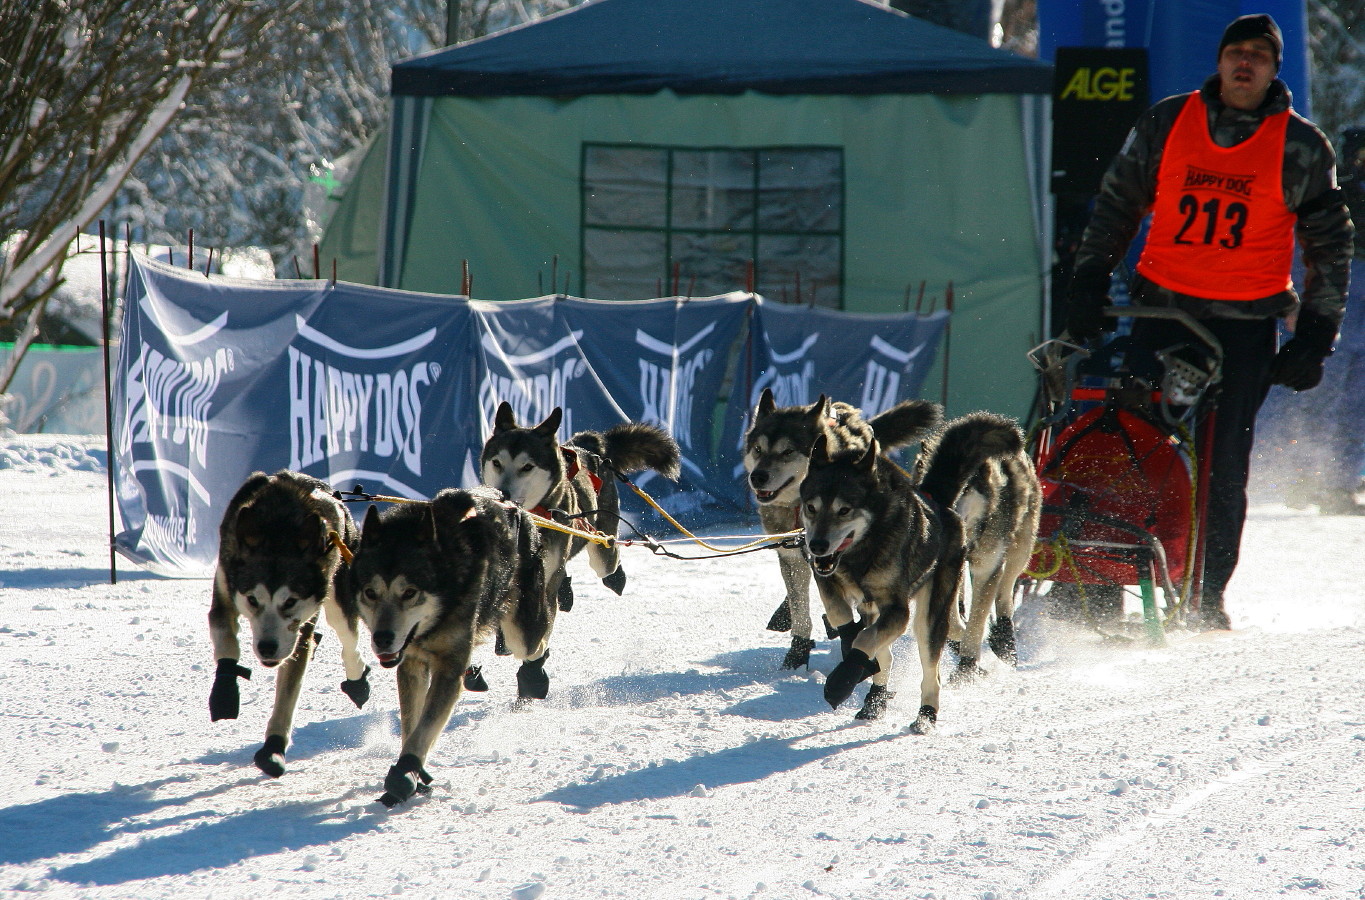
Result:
{"points": [[1119, 444]]}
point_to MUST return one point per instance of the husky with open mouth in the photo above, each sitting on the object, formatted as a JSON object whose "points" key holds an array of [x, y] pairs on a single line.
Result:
{"points": [[573, 483], [888, 550], [434, 579], [777, 449]]}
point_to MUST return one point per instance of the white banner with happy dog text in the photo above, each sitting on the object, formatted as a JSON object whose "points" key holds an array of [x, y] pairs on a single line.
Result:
{"points": [[394, 392]]}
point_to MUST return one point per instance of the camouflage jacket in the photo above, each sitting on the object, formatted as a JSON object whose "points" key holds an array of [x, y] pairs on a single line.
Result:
{"points": [[1323, 228]]}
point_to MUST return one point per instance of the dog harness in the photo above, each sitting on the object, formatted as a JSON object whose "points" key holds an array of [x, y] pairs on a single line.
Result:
{"points": [[572, 468], [1220, 226]]}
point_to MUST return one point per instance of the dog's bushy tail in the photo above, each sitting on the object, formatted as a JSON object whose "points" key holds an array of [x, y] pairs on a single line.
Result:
{"points": [[963, 447], [906, 422], [635, 446]]}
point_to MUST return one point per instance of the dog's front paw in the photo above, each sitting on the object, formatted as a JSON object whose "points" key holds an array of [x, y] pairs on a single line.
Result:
{"points": [[924, 723], [270, 758], [358, 689], [532, 682], [616, 580], [846, 633], [874, 704], [406, 777], [224, 699], [855, 668], [799, 654]]}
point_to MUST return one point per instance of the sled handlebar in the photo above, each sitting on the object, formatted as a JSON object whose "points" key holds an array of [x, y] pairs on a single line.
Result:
{"points": [[1194, 326]]}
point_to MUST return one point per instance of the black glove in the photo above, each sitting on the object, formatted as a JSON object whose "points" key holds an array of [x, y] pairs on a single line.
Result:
{"points": [[224, 700], [1298, 365], [1085, 304]]}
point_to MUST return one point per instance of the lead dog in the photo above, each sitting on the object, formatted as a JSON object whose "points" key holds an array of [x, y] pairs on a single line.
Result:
{"points": [[434, 579], [777, 449], [879, 545], [280, 556], [575, 480]]}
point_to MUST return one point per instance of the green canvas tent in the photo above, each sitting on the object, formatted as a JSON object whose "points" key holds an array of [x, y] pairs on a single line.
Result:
{"points": [[833, 151]]}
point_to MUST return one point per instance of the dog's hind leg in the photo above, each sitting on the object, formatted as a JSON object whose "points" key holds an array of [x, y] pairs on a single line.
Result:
{"points": [[986, 577], [357, 683], [288, 681], [1001, 637], [932, 608]]}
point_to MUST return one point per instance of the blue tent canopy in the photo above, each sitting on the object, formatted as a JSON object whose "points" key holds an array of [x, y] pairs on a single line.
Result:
{"points": [[722, 47]]}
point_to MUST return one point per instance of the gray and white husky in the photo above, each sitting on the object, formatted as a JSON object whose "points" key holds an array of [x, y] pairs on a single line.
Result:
{"points": [[777, 449], [886, 549], [999, 508], [573, 483], [434, 579], [281, 549]]}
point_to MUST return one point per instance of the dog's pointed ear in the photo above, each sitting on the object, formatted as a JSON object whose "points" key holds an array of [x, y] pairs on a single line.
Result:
{"points": [[819, 453], [249, 529], [372, 530], [868, 461], [504, 419], [551, 423], [766, 403], [313, 541], [819, 410]]}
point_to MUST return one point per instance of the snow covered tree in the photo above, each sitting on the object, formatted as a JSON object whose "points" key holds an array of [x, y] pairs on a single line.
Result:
{"points": [[86, 86], [1336, 42], [248, 158]]}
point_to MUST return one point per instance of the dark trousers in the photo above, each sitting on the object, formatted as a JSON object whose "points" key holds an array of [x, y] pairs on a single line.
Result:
{"points": [[1248, 348]]}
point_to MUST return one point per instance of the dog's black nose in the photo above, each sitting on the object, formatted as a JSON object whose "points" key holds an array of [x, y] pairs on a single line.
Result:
{"points": [[383, 639], [758, 477], [818, 546], [268, 649]]}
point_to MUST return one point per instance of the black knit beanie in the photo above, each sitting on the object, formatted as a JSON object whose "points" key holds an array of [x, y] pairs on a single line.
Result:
{"points": [[1257, 25]]}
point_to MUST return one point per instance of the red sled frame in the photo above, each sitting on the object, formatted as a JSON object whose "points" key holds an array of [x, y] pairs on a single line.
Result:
{"points": [[1120, 447]]}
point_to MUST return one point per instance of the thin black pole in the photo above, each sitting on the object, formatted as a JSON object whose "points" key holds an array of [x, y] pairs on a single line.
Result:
{"points": [[108, 409]]}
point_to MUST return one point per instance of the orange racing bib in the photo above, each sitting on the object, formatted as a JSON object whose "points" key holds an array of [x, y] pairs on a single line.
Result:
{"points": [[1220, 228]]}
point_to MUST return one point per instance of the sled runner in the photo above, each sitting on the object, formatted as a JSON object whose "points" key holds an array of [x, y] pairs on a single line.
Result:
{"points": [[1119, 445]]}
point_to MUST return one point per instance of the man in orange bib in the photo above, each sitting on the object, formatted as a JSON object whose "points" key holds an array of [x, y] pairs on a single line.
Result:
{"points": [[1232, 177]]}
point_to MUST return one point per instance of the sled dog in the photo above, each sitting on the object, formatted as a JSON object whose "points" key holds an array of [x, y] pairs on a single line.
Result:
{"points": [[574, 483], [878, 545], [999, 509], [280, 559], [777, 449], [433, 579]]}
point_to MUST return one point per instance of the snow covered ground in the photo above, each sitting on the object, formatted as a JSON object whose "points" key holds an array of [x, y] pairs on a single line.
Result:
{"points": [[673, 759]]}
